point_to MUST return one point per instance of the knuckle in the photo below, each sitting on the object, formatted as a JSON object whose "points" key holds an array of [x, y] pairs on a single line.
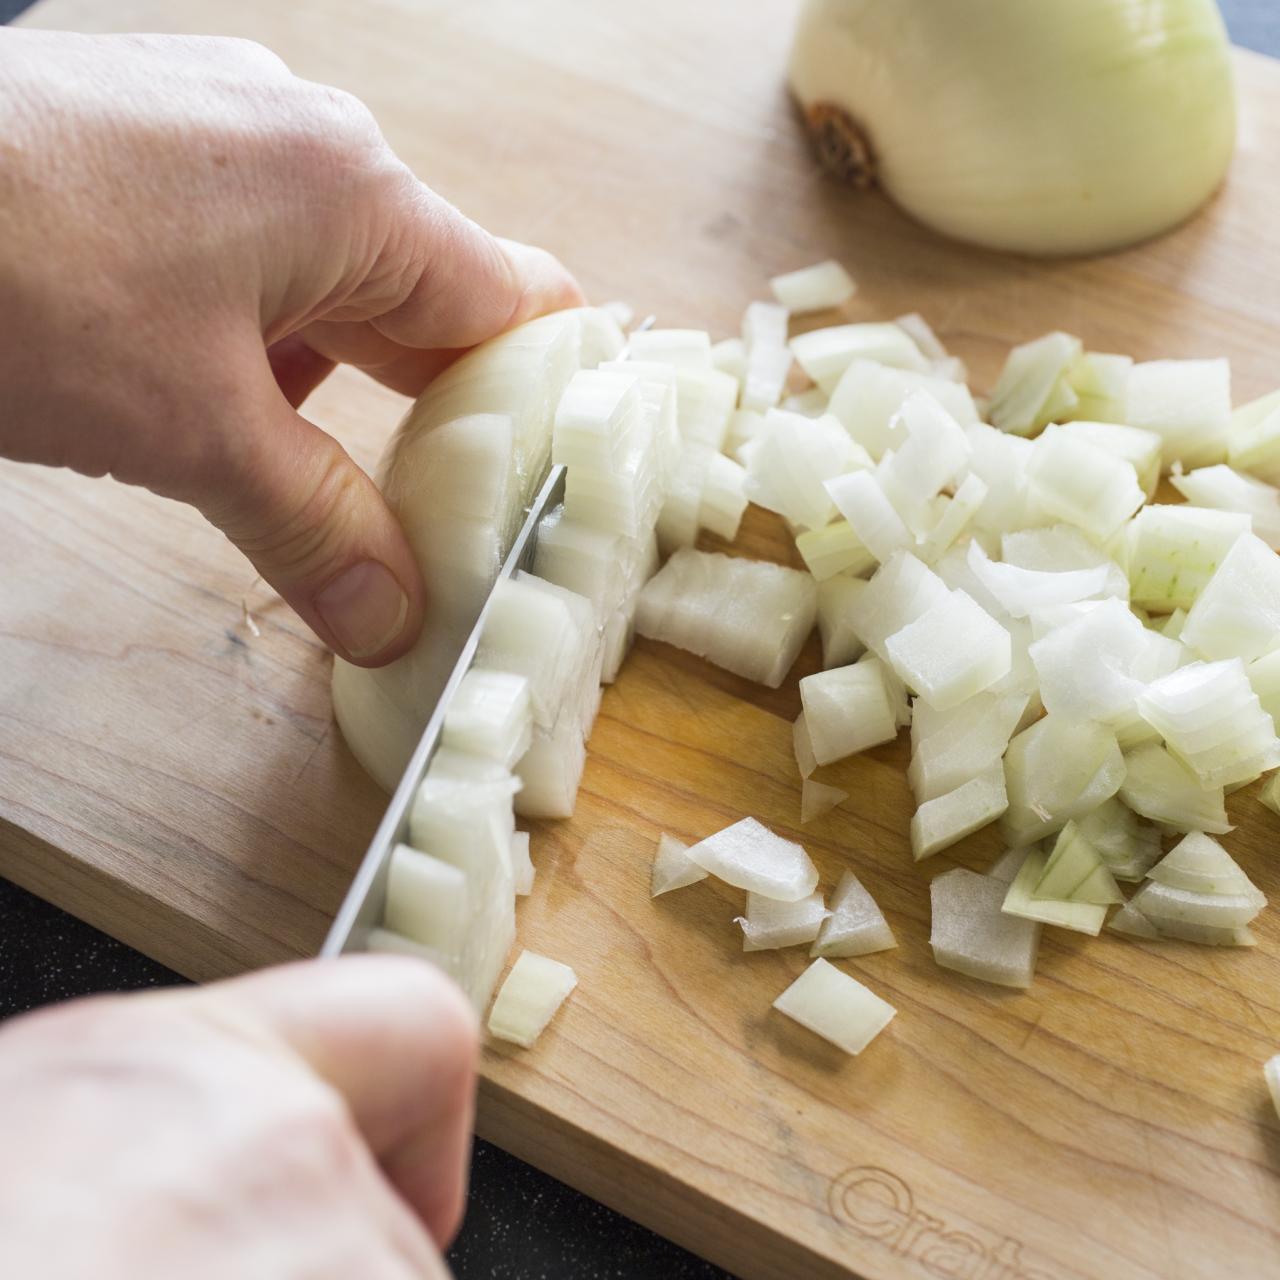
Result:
{"points": [[305, 532]]}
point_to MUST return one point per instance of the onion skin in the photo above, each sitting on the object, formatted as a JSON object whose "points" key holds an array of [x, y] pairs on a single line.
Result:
{"points": [[1054, 127]]}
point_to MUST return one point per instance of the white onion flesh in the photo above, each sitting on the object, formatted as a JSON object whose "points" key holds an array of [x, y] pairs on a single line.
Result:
{"points": [[1139, 448], [672, 867], [817, 288], [818, 799], [791, 462], [1160, 787], [427, 900], [971, 934], [1075, 872], [1099, 383], [1185, 402], [522, 869], [1199, 864], [902, 591], [949, 748], [824, 354], [1020, 900], [855, 925], [847, 709], [863, 503], [1219, 488], [770, 924], [837, 611], [1058, 770], [802, 745], [1128, 846], [1237, 614], [1083, 484], [1253, 439], [491, 716], [833, 549], [746, 616], [835, 1006], [1164, 905], [944, 821], [749, 856], [533, 991], [1023, 399]]}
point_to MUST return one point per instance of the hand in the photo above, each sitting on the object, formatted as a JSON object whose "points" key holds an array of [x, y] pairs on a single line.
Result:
{"points": [[305, 1123], [190, 237]]}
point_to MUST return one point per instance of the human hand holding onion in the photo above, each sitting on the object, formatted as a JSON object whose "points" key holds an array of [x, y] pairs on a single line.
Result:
{"points": [[193, 237]]}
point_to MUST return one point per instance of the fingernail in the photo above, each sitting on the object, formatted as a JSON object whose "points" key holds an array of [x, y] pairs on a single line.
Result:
{"points": [[365, 608]]}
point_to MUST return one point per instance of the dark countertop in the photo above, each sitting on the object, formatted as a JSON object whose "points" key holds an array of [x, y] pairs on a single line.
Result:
{"points": [[520, 1225]]}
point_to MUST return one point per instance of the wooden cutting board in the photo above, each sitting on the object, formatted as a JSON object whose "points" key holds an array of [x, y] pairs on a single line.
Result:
{"points": [[175, 778]]}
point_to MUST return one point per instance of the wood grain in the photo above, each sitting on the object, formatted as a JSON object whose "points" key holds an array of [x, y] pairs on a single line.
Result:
{"points": [[176, 780]]}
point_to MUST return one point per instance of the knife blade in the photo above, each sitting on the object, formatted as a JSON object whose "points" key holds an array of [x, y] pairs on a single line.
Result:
{"points": [[362, 909]]}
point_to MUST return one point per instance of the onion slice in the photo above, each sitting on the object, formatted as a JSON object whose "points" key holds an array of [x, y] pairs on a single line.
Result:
{"points": [[855, 925], [672, 867], [534, 989], [835, 1006], [749, 856], [971, 933]]}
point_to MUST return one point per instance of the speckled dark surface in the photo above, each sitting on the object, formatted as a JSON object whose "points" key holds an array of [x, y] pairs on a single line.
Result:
{"points": [[521, 1225]]}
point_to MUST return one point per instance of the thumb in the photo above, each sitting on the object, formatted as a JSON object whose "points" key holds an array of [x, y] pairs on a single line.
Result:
{"points": [[317, 529], [397, 1039]]}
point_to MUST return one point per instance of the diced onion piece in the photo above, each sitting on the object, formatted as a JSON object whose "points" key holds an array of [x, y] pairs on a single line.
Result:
{"points": [[1129, 920], [836, 610], [1057, 548], [833, 549], [1219, 488], [490, 716], [868, 397], [951, 652], [1264, 676], [683, 348], [951, 747], [1139, 448], [1006, 866], [539, 631], [1187, 403], [806, 761], [595, 415], [817, 799], [427, 900], [1172, 552], [901, 591], [1058, 770], [681, 514], [583, 559], [620, 312], [811, 402], [1128, 846], [860, 499], [1163, 905], [918, 329], [1237, 615], [824, 354], [1000, 461], [931, 455], [770, 924], [724, 497], [855, 926], [730, 356], [746, 616], [1019, 590], [972, 935], [744, 426], [1160, 787], [1100, 382], [705, 399], [792, 459], [955, 518], [1253, 439], [672, 867], [1019, 900], [816, 288], [1024, 397], [835, 1006], [534, 989], [1172, 626], [522, 867], [1200, 864], [1075, 872], [1209, 715], [764, 324], [1078, 482], [847, 709], [1086, 667], [766, 376], [749, 856], [897, 691], [938, 824], [551, 770], [1271, 1072]]}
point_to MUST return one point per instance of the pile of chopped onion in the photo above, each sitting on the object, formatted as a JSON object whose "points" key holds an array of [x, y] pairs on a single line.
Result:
{"points": [[1089, 667]]}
